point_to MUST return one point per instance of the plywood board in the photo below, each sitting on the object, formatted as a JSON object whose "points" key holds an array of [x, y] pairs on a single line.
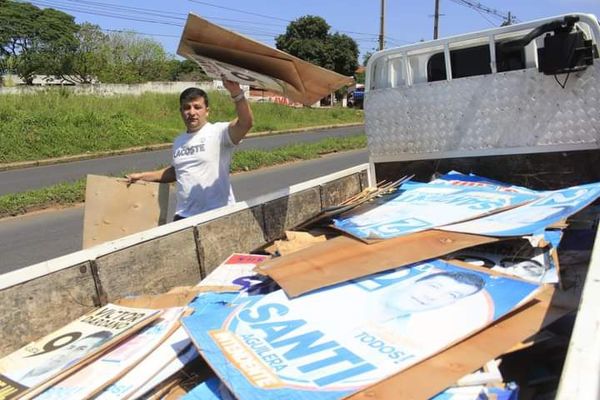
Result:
{"points": [[342, 258], [114, 208], [222, 52]]}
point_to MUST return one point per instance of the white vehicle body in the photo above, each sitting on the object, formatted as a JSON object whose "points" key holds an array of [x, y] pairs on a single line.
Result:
{"points": [[457, 100]]}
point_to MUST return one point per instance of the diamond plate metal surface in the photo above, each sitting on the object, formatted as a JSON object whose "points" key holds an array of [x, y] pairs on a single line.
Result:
{"points": [[499, 113]]}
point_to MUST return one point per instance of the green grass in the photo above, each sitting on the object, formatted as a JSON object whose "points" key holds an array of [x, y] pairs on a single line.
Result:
{"points": [[55, 123], [71, 193]]}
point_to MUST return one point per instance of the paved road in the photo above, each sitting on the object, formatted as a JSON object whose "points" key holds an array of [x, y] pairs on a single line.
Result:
{"points": [[37, 177], [33, 238]]}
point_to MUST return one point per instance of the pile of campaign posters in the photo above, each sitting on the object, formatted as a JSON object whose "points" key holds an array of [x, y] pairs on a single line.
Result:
{"points": [[336, 341], [550, 207], [468, 204], [419, 207], [112, 365], [29, 370]]}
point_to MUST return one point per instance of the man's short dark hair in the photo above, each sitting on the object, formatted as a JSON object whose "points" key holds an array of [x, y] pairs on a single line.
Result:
{"points": [[461, 277], [191, 94]]}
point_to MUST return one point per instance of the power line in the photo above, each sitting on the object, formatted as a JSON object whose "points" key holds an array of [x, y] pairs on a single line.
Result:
{"points": [[238, 10], [485, 17], [161, 17], [479, 7]]}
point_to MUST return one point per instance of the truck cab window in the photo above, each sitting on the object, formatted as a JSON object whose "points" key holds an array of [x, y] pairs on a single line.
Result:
{"points": [[472, 61]]}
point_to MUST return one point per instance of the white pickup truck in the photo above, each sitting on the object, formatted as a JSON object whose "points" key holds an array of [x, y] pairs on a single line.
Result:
{"points": [[519, 104]]}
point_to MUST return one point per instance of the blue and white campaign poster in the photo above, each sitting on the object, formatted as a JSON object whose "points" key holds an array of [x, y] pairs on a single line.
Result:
{"points": [[532, 218], [456, 178], [427, 206], [338, 340]]}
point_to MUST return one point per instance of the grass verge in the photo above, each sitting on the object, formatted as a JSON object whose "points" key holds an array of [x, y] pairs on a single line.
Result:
{"points": [[65, 194], [56, 123]]}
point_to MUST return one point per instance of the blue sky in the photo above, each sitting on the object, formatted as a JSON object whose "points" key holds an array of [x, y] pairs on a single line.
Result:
{"points": [[405, 22]]}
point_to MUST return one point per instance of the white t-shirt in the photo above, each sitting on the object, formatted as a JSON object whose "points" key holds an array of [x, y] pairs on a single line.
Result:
{"points": [[201, 161]]}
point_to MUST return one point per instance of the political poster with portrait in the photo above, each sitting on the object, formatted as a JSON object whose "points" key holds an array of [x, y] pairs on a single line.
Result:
{"points": [[335, 341], [110, 366], [36, 366], [426, 206]]}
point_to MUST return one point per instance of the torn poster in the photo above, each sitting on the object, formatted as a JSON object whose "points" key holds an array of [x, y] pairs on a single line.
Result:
{"points": [[338, 340], [427, 206]]}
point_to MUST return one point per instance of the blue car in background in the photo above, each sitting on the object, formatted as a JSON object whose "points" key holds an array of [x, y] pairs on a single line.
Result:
{"points": [[356, 98]]}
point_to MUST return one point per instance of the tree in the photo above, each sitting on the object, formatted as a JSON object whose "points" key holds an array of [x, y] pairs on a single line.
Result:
{"points": [[31, 39], [343, 53], [133, 59], [88, 59], [186, 70], [308, 38]]}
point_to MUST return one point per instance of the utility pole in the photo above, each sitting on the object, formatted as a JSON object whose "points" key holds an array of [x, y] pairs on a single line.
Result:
{"points": [[436, 19], [381, 25]]}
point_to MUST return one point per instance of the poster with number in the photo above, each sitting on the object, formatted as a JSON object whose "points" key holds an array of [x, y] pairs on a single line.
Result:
{"points": [[30, 369]]}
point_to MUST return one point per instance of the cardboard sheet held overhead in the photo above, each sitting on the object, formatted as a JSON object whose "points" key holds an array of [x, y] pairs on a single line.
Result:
{"points": [[114, 209], [342, 258], [222, 52]]}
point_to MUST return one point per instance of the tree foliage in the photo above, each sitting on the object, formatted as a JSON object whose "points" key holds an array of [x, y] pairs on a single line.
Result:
{"points": [[88, 59], [48, 42], [31, 38], [308, 38], [131, 58], [186, 70]]}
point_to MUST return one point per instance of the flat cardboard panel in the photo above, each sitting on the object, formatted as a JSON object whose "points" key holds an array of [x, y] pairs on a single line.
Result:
{"points": [[32, 309], [114, 209], [150, 267], [342, 258], [220, 51]]}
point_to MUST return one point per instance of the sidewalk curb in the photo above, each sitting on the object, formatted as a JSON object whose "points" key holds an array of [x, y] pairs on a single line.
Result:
{"points": [[139, 149]]}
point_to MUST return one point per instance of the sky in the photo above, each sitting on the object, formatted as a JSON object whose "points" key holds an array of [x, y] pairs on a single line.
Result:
{"points": [[262, 20]]}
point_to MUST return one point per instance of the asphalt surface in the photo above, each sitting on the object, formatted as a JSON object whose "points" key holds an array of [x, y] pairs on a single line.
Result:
{"points": [[37, 237], [21, 180]]}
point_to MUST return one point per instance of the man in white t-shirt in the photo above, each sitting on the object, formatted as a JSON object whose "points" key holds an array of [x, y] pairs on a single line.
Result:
{"points": [[202, 154]]}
